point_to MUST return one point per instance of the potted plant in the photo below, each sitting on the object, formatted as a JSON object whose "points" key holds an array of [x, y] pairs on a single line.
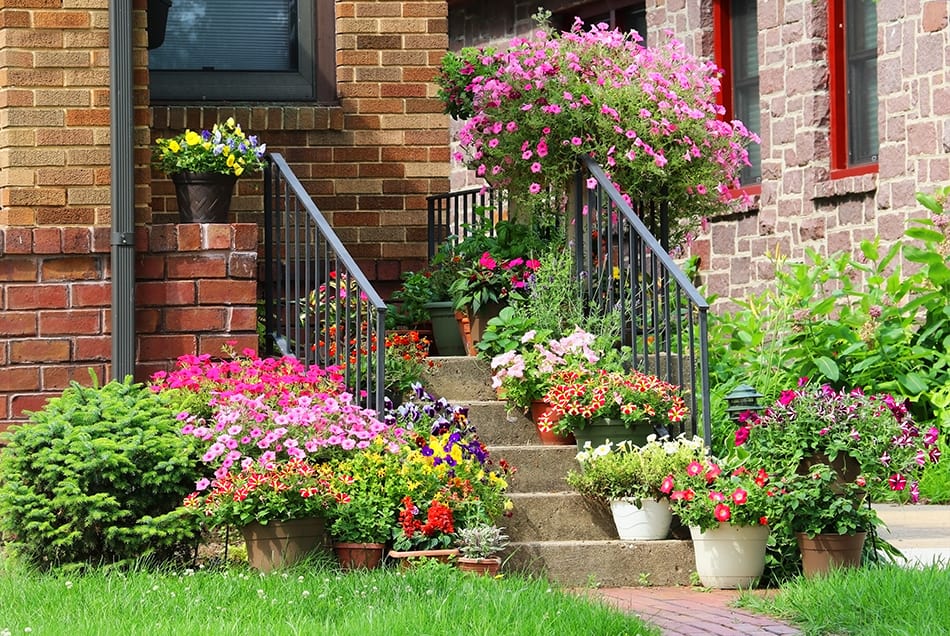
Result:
{"points": [[602, 404], [727, 512], [478, 546], [631, 479], [833, 450], [205, 166], [525, 374], [406, 359], [278, 507], [364, 492]]}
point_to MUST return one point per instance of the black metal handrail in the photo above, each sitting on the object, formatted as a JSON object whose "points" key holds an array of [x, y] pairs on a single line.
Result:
{"points": [[318, 304], [664, 318], [451, 213]]}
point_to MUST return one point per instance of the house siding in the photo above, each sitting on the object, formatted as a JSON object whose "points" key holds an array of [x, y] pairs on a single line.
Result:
{"points": [[369, 161]]}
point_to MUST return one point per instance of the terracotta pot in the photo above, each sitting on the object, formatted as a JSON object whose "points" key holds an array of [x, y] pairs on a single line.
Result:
{"points": [[729, 557], [359, 556], [486, 567], [409, 558], [845, 467], [824, 552], [548, 437], [203, 197], [281, 544], [472, 326]]}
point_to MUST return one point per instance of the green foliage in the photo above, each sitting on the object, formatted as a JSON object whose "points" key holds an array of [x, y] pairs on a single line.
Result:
{"points": [[98, 475], [504, 332], [817, 503], [409, 308]]}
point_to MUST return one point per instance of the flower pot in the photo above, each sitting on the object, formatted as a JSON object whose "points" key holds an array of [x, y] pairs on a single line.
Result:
{"points": [[485, 567], [203, 197], [281, 544], [547, 436], [445, 329], [648, 522], [472, 326], [359, 556], [824, 552], [409, 558], [845, 467], [600, 430], [729, 557]]}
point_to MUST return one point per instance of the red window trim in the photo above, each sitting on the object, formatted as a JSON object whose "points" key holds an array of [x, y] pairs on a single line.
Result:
{"points": [[722, 54], [837, 93]]}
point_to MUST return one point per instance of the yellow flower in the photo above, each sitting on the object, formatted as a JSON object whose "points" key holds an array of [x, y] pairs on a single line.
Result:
{"points": [[173, 146], [230, 122], [230, 161], [192, 138], [238, 170]]}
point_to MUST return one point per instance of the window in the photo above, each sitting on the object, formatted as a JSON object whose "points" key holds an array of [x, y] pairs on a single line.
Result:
{"points": [[632, 16], [242, 50], [852, 52], [737, 53]]}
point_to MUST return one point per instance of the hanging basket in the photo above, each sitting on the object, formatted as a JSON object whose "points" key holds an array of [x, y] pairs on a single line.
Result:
{"points": [[203, 197]]}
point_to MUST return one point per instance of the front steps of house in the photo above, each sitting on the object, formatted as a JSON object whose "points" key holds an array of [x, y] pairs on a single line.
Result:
{"points": [[554, 532]]}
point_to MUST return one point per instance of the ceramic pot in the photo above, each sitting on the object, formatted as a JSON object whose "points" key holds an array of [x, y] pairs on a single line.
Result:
{"points": [[485, 567], [650, 521], [203, 197], [599, 430], [359, 556], [548, 437], [825, 552], [281, 544], [729, 557]]}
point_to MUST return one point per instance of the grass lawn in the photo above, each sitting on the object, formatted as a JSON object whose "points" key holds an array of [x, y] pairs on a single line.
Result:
{"points": [[433, 599], [870, 601]]}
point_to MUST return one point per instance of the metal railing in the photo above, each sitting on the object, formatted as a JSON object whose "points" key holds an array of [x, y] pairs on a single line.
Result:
{"points": [[318, 305], [624, 268], [450, 213]]}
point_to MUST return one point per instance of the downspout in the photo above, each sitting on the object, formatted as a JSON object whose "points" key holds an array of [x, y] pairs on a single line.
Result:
{"points": [[122, 189]]}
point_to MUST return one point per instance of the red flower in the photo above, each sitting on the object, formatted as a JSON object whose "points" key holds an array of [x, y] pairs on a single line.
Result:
{"points": [[722, 512]]}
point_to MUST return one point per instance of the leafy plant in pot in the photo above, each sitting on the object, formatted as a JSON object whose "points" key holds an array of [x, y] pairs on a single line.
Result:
{"points": [[631, 480], [205, 166], [478, 545]]}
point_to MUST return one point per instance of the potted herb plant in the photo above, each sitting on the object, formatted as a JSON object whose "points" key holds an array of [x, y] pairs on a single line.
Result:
{"points": [[205, 166], [631, 480], [478, 546]]}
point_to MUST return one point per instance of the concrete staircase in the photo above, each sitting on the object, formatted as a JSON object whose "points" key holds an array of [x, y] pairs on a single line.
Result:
{"points": [[555, 532]]}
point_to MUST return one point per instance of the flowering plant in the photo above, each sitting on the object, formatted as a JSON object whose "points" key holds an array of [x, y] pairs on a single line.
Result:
{"points": [[489, 280], [632, 398], [525, 374], [704, 495], [625, 471], [649, 116], [276, 492], [813, 423], [817, 502], [406, 359], [224, 149]]}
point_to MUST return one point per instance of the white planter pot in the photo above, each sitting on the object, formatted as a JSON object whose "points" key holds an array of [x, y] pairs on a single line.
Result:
{"points": [[729, 557], [647, 523]]}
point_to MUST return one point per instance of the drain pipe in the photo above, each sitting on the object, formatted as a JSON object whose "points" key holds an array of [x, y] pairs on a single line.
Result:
{"points": [[122, 189]]}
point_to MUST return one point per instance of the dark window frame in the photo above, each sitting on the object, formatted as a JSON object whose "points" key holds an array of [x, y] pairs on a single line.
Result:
{"points": [[315, 79], [623, 16]]}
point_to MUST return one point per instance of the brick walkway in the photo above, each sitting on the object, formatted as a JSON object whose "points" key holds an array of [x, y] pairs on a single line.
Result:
{"points": [[684, 611]]}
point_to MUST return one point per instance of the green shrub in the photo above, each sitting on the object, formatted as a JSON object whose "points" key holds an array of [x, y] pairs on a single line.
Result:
{"points": [[97, 476]]}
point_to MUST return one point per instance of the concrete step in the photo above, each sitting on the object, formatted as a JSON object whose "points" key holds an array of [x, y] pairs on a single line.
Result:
{"points": [[558, 517], [497, 424], [459, 379], [539, 468], [604, 563]]}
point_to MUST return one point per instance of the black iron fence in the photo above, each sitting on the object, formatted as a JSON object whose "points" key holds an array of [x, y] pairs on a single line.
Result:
{"points": [[451, 213], [624, 268], [318, 305]]}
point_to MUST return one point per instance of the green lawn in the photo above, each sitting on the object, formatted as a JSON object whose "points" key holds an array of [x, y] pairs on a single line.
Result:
{"points": [[434, 599]]}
